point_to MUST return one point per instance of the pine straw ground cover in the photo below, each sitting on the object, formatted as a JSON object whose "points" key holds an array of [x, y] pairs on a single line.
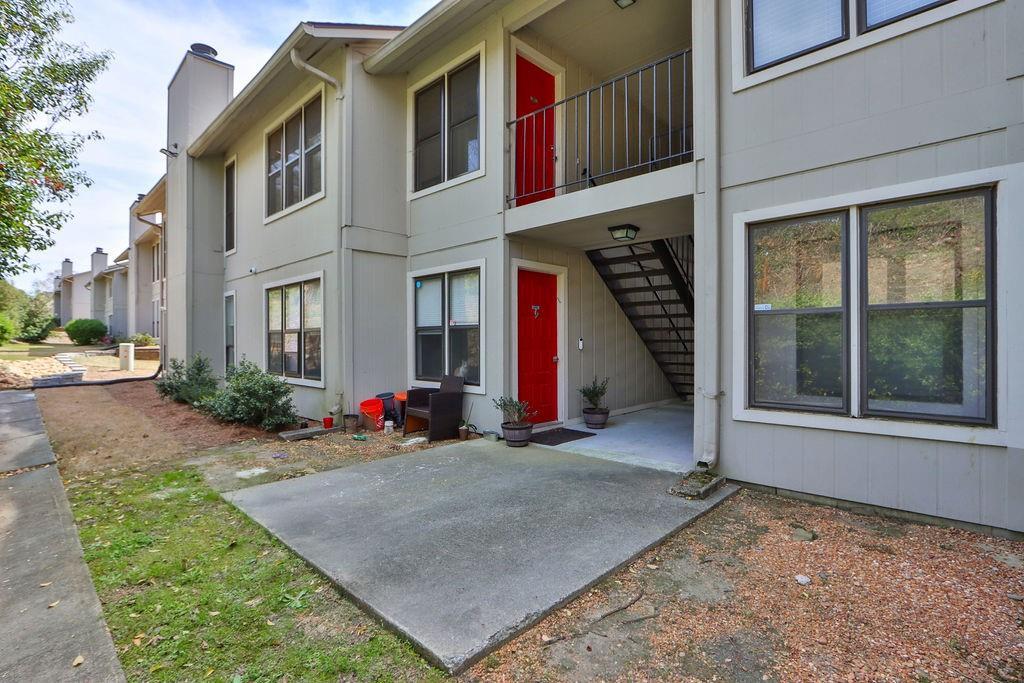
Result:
{"points": [[887, 602], [192, 590]]}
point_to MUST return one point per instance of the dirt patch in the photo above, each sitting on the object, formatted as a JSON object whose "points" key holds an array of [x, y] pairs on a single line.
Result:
{"points": [[127, 426], [105, 366], [887, 601]]}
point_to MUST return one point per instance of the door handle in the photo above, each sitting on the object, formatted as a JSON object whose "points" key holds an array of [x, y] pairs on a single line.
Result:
{"points": [[554, 359]]}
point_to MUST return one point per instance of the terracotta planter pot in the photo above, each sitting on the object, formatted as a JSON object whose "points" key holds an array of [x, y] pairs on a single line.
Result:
{"points": [[516, 435], [596, 418], [463, 433]]}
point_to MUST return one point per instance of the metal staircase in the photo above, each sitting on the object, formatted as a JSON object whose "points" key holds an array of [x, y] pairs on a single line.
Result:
{"points": [[653, 283]]}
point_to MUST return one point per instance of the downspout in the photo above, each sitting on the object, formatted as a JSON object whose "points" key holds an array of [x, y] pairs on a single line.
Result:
{"points": [[709, 390], [303, 65]]}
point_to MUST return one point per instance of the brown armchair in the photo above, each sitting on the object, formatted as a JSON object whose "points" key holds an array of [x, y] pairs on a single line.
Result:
{"points": [[439, 411]]}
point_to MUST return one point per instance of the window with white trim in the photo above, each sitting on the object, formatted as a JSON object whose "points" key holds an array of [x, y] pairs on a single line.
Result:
{"points": [[229, 330], [446, 126], [447, 325], [295, 158], [924, 305], [229, 207], [294, 330], [780, 30]]}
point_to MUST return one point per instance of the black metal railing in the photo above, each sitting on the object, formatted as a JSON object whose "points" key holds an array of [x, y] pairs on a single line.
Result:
{"points": [[632, 124]]}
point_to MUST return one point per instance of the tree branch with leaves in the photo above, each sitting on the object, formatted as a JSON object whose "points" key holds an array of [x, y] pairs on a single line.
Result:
{"points": [[44, 82]]}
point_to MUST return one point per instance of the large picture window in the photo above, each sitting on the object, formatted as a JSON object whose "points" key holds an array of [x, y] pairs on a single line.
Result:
{"points": [[295, 158], [926, 307], [294, 327], [798, 317], [925, 304], [447, 321], [446, 127]]}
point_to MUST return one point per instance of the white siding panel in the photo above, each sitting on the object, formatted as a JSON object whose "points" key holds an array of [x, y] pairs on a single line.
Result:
{"points": [[818, 450], [378, 325], [851, 470], [883, 472], [960, 482], [918, 476]]}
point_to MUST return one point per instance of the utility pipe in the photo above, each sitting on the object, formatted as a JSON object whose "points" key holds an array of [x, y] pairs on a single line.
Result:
{"points": [[103, 382]]}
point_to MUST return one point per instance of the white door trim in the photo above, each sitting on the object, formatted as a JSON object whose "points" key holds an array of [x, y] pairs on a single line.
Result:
{"points": [[561, 273]]}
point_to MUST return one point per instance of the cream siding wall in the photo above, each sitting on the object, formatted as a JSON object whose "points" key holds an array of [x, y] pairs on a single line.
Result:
{"points": [[378, 326], [304, 241], [934, 102]]}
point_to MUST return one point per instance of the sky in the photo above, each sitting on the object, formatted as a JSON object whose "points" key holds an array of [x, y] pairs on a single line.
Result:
{"points": [[148, 39]]}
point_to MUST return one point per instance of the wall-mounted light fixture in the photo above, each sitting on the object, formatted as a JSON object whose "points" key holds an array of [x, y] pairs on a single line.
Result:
{"points": [[624, 233], [623, 4]]}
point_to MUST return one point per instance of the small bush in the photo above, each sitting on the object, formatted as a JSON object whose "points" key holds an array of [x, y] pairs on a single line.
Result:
{"points": [[594, 392], [85, 331], [37, 322], [187, 382], [142, 339], [514, 411], [6, 329], [252, 397]]}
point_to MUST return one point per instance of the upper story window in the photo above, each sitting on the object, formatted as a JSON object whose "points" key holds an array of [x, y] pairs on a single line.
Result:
{"points": [[875, 13], [295, 158], [778, 30], [229, 208], [781, 30], [446, 126]]}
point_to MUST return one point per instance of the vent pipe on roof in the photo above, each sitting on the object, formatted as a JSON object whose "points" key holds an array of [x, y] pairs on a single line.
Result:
{"points": [[203, 50]]}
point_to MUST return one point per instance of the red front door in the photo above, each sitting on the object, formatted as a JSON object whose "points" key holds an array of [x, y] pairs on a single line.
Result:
{"points": [[535, 135], [538, 343]]}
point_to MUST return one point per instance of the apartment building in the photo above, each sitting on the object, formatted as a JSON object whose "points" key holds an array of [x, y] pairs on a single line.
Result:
{"points": [[100, 293], [795, 217], [146, 283]]}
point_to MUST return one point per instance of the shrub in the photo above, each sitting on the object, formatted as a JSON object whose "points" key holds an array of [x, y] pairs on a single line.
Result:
{"points": [[37, 321], [85, 331], [252, 397], [513, 410], [142, 339], [594, 392], [6, 329], [187, 382]]}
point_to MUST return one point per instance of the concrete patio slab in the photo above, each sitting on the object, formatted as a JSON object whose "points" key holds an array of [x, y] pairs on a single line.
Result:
{"points": [[660, 437], [39, 545], [460, 548], [18, 410]]}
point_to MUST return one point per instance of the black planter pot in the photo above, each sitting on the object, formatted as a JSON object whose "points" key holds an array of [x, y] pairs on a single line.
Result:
{"points": [[516, 435], [596, 418]]}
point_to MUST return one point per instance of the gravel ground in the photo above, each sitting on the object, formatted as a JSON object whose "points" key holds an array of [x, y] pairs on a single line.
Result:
{"points": [[886, 601], [18, 374]]}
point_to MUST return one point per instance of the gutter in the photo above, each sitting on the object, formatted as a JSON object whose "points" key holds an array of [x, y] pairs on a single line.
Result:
{"points": [[303, 65]]}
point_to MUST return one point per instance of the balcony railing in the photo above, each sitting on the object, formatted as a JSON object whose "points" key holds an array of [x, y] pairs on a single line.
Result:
{"points": [[632, 124]]}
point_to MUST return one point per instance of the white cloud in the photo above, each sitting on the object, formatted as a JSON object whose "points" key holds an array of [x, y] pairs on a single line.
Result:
{"points": [[148, 41]]}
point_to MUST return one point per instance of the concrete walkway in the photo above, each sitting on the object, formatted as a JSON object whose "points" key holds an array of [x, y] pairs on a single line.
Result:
{"points": [[459, 548], [660, 437], [41, 564]]}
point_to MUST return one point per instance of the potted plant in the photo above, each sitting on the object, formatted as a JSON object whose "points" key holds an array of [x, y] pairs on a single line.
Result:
{"points": [[465, 426], [595, 415], [516, 428]]}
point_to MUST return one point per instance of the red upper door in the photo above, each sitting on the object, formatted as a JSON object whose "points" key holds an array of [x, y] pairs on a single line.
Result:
{"points": [[535, 135], [538, 343]]}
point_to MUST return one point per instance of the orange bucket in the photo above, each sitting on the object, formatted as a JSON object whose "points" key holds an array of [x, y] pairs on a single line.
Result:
{"points": [[372, 410]]}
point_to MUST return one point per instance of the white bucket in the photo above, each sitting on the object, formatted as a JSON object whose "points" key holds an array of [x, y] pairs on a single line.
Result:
{"points": [[389, 427]]}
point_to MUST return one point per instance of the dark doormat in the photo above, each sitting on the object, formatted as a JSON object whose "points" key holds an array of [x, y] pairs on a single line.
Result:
{"points": [[556, 437]]}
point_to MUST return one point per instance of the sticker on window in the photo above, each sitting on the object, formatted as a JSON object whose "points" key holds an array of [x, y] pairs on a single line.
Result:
{"points": [[762, 307]]}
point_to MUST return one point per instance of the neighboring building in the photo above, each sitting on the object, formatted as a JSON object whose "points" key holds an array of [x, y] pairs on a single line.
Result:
{"points": [[146, 262], [99, 293], [799, 216]]}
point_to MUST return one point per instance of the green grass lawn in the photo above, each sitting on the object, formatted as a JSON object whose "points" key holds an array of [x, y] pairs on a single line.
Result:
{"points": [[21, 350], [194, 590]]}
